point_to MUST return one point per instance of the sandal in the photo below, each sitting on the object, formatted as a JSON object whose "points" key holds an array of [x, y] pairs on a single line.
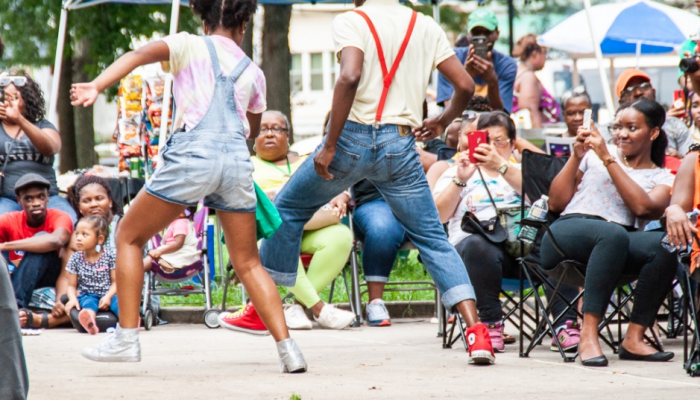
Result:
{"points": [[30, 319]]}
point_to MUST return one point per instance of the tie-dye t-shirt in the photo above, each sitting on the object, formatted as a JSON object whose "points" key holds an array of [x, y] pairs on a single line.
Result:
{"points": [[190, 64]]}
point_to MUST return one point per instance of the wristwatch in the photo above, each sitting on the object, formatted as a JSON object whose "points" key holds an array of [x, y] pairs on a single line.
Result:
{"points": [[503, 168]]}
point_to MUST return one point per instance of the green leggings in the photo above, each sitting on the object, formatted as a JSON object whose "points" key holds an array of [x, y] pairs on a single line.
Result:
{"points": [[331, 247]]}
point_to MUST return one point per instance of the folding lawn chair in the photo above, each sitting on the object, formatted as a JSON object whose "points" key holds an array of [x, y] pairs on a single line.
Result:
{"points": [[396, 286], [539, 171], [199, 269]]}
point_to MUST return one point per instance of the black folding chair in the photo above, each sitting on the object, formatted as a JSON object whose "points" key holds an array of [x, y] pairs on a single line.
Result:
{"points": [[539, 171]]}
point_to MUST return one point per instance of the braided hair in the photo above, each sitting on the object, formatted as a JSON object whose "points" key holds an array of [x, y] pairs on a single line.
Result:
{"points": [[229, 14], [74, 193]]}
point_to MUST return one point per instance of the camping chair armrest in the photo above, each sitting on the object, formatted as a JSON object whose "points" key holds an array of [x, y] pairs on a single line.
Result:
{"points": [[539, 224]]}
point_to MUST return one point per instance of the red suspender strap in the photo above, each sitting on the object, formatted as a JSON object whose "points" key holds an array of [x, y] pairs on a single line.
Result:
{"points": [[388, 75]]}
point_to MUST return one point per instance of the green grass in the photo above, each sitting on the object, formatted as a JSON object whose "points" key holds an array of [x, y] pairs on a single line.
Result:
{"points": [[406, 268]]}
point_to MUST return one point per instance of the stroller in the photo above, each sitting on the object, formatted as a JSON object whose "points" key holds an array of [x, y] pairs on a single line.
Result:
{"points": [[198, 269]]}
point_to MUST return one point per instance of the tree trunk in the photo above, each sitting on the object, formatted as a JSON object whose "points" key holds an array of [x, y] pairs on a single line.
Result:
{"points": [[66, 126], [247, 44], [84, 121], [276, 59]]}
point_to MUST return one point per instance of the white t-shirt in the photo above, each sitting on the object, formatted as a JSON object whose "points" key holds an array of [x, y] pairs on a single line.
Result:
{"points": [[597, 194], [190, 64], [475, 199], [427, 48]]}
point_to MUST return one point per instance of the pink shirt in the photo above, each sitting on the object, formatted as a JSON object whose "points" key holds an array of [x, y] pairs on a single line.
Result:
{"points": [[178, 227], [190, 64]]}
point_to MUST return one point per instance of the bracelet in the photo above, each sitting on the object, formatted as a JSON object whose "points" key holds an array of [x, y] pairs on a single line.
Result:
{"points": [[609, 161], [458, 183]]}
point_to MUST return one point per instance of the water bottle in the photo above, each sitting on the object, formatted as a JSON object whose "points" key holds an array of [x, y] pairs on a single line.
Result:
{"points": [[538, 212]]}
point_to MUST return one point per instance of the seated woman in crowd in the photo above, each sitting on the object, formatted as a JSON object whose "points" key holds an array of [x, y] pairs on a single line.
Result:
{"points": [[28, 142], [179, 246], [605, 194], [461, 189], [573, 104], [324, 236]]}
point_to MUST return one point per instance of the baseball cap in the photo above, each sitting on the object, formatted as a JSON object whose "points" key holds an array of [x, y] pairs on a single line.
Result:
{"points": [[482, 17], [30, 179], [626, 76]]}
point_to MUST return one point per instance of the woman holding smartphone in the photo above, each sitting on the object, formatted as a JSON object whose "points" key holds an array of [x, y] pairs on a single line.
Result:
{"points": [[462, 189]]}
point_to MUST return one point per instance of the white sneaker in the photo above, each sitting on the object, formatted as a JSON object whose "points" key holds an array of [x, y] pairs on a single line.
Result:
{"points": [[377, 314], [296, 317], [120, 346], [334, 318]]}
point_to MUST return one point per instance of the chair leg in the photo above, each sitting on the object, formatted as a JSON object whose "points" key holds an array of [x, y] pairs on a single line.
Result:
{"points": [[357, 301]]}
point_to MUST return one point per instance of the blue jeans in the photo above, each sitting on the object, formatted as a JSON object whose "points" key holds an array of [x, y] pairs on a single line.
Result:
{"points": [[381, 235], [390, 162], [91, 301], [56, 202], [36, 270]]}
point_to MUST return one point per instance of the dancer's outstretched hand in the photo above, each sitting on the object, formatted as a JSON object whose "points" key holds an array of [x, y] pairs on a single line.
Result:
{"points": [[83, 94]]}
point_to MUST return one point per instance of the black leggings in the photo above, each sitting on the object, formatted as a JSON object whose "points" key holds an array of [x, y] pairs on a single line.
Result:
{"points": [[610, 253], [487, 264]]}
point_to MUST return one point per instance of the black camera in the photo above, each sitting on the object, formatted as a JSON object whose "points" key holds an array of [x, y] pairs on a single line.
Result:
{"points": [[689, 65]]}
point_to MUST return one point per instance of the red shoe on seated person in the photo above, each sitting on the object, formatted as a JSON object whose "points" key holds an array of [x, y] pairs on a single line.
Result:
{"points": [[480, 349], [244, 320]]}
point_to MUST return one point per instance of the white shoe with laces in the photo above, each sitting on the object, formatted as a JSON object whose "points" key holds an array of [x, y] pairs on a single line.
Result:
{"points": [[296, 318], [334, 318], [377, 314], [120, 346]]}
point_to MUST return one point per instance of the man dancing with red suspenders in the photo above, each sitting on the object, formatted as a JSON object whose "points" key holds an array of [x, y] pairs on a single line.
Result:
{"points": [[387, 53]]}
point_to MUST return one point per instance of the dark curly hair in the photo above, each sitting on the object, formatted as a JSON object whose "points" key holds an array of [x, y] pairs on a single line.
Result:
{"points": [[74, 193], [479, 104], [229, 14], [33, 97]]}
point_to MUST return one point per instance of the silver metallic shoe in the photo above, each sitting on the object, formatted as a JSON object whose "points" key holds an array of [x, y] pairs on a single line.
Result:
{"points": [[291, 359], [120, 346]]}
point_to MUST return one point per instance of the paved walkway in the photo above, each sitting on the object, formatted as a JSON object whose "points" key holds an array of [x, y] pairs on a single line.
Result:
{"points": [[404, 361]]}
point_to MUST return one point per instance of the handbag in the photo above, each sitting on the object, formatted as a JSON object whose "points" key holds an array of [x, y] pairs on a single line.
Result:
{"points": [[501, 229]]}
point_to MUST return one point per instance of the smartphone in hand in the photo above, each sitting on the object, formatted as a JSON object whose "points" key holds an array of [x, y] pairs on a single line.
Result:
{"points": [[481, 46], [475, 139], [587, 114]]}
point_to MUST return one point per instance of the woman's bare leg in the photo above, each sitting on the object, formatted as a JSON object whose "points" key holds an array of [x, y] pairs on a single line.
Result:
{"points": [[138, 226], [589, 346], [239, 230]]}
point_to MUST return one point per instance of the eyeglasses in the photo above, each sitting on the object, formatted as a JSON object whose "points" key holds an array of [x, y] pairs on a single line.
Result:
{"points": [[501, 143], [469, 116], [17, 81], [631, 89], [274, 129]]}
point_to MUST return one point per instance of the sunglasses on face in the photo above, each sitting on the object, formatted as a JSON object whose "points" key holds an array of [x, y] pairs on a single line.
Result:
{"points": [[631, 89], [17, 81]]}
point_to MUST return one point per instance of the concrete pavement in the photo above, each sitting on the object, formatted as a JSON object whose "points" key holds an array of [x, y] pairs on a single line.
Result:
{"points": [[404, 361]]}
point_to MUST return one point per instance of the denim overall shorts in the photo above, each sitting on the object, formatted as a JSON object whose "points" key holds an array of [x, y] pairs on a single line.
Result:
{"points": [[210, 161]]}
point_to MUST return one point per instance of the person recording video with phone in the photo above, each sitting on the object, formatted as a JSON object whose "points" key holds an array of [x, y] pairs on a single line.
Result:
{"points": [[493, 72]]}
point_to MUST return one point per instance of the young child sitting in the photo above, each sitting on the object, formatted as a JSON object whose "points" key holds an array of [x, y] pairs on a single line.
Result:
{"points": [[179, 246], [91, 278]]}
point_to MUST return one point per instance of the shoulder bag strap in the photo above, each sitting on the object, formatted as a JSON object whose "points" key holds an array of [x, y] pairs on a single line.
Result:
{"points": [[486, 186]]}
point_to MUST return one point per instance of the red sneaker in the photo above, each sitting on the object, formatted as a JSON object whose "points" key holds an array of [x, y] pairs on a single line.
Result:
{"points": [[480, 349], [244, 320]]}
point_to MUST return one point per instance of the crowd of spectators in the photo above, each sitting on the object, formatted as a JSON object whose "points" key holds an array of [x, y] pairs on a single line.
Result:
{"points": [[613, 184]]}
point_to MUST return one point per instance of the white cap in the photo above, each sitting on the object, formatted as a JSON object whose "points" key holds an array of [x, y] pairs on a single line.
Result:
{"points": [[545, 197]]}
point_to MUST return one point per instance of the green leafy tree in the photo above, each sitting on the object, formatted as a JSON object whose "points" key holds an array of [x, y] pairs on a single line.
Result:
{"points": [[96, 36]]}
